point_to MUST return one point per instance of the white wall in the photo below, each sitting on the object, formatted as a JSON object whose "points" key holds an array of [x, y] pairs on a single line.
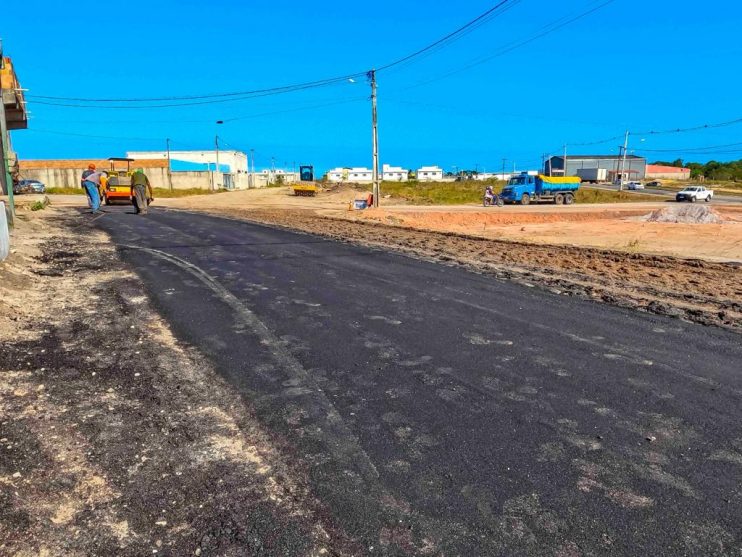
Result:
{"points": [[235, 160]]}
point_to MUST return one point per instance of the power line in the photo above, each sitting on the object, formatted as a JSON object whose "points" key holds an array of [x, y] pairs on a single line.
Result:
{"points": [[692, 129], [457, 34], [659, 132], [193, 103], [248, 94], [699, 150], [71, 102], [546, 30]]}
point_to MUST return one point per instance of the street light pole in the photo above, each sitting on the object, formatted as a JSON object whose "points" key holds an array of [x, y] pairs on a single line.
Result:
{"points": [[623, 160], [169, 172]]}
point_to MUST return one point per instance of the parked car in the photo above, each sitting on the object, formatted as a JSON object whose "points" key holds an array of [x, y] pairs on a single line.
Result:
{"points": [[654, 184], [635, 186], [694, 193], [28, 186]]}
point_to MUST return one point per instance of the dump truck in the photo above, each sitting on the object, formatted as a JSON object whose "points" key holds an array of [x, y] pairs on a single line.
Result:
{"points": [[306, 185], [118, 185], [525, 189], [594, 175]]}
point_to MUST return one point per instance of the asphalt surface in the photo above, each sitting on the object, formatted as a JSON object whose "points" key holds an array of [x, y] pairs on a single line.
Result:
{"points": [[670, 194], [437, 411]]}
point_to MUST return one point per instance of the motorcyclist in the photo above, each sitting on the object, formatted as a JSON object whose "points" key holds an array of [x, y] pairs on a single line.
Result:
{"points": [[489, 194]]}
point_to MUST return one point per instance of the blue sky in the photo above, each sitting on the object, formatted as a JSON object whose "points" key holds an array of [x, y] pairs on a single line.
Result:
{"points": [[637, 65]]}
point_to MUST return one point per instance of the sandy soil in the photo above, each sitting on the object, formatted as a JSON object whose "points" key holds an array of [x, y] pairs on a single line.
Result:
{"points": [[114, 438], [599, 227], [700, 291], [613, 226], [603, 252]]}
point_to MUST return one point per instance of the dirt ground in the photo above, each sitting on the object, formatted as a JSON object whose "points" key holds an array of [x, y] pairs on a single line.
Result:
{"points": [[601, 252], [114, 438], [701, 291], [612, 226]]}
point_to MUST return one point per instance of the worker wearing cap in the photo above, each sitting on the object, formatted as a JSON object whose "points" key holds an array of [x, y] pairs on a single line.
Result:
{"points": [[89, 181], [141, 191]]}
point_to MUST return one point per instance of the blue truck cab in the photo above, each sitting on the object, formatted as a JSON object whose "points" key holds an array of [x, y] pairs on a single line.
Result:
{"points": [[526, 188]]}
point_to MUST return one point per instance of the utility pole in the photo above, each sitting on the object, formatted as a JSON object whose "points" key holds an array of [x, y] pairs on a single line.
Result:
{"points": [[502, 176], [375, 134], [252, 165], [623, 160], [218, 169], [169, 172], [565, 161]]}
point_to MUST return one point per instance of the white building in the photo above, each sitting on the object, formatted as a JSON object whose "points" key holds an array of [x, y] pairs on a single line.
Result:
{"points": [[393, 173], [230, 162], [430, 174], [355, 174], [279, 175]]}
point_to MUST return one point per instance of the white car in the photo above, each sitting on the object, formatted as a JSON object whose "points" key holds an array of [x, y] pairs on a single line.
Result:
{"points": [[635, 186], [694, 193]]}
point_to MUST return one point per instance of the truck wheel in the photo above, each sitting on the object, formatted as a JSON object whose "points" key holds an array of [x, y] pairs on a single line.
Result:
{"points": [[708, 198], [525, 200], [569, 199], [558, 199], [693, 199]]}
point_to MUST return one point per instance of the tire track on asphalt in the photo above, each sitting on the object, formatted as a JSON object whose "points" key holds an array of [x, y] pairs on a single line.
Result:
{"points": [[340, 441]]}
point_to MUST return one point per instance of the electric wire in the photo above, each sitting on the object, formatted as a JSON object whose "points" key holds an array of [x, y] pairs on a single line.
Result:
{"points": [[243, 95], [545, 30]]}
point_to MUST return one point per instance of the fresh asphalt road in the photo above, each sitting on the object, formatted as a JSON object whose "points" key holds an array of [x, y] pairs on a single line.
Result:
{"points": [[670, 194], [438, 411]]}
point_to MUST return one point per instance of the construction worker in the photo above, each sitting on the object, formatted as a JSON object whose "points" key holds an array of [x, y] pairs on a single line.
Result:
{"points": [[141, 191], [103, 183], [89, 181]]}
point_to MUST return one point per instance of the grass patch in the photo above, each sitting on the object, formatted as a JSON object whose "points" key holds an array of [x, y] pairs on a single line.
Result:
{"points": [[158, 192], [40, 205], [437, 193], [470, 191], [165, 192], [590, 195], [65, 191]]}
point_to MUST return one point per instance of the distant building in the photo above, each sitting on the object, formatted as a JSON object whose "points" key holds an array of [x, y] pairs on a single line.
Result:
{"points": [[337, 175], [394, 173], [655, 171], [358, 175], [229, 161], [634, 169], [429, 174], [279, 175]]}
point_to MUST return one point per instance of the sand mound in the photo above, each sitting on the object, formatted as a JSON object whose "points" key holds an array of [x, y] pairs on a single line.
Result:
{"points": [[685, 214]]}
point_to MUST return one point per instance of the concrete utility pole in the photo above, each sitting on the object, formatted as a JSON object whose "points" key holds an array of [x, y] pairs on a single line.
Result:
{"points": [[252, 165], [502, 176], [5, 152], [375, 134], [623, 160], [169, 172], [218, 169], [565, 161]]}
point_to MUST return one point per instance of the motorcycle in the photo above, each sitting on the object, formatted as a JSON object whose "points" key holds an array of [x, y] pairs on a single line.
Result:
{"points": [[491, 201]]}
